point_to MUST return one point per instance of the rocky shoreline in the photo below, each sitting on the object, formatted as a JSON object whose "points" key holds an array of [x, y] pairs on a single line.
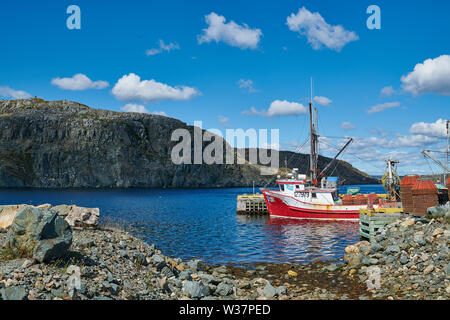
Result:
{"points": [[410, 259], [115, 265], [108, 263]]}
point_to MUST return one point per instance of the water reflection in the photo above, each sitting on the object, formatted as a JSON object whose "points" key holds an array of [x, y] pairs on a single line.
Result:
{"points": [[309, 240]]}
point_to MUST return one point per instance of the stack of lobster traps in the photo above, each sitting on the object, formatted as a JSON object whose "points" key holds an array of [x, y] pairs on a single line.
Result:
{"points": [[406, 186], [424, 196]]}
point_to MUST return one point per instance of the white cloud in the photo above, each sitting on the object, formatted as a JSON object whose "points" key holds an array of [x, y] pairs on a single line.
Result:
{"points": [[79, 82], [399, 141], [241, 36], [163, 47], [434, 129], [159, 113], [254, 112], [399, 155], [381, 107], [387, 91], [131, 107], [431, 76], [278, 108], [223, 120], [370, 152], [323, 101], [347, 126], [417, 140], [318, 32], [131, 88], [7, 92], [285, 108], [246, 84], [379, 131], [325, 145]]}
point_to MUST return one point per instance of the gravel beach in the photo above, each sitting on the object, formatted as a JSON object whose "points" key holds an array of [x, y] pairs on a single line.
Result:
{"points": [[109, 263]]}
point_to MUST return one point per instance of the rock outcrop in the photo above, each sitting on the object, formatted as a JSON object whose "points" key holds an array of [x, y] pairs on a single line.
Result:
{"points": [[79, 217], [7, 214], [38, 233], [76, 217], [63, 144]]}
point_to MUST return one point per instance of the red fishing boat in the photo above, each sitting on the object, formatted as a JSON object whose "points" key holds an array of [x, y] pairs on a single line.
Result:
{"points": [[315, 197], [296, 200]]}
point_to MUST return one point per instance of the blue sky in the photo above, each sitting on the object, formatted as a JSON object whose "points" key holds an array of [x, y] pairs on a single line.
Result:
{"points": [[199, 79]]}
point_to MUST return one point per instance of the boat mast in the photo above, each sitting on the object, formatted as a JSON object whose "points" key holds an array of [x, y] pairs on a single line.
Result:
{"points": [[311, 142], [313, 157], [446, 151], [316, 153]]}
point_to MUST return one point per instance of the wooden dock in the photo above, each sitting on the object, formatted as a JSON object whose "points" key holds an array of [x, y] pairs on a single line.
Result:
{"points": [[372, 220], [251, 204]]}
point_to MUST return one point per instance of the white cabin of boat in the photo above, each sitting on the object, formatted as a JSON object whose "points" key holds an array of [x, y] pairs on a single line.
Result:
{"points": [[299, 189]]}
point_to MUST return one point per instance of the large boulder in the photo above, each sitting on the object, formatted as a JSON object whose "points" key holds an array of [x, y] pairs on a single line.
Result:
{"points": [[197, 265], [7, 214], [355, 253], [353, 260], [196, 290], [38, 233], [14, 293], [79, 217], [439, 211]]}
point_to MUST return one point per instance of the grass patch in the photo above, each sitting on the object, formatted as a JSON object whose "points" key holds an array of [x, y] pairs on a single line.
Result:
{"points": [[72, 258], [134, 228], [113, 224], [6, 254]]}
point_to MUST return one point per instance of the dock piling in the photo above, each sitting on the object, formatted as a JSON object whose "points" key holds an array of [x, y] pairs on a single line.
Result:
{"points": [[251, 204]]}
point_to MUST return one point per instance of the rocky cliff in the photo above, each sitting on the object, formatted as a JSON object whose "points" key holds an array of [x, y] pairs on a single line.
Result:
{"points": [[59, 144]]}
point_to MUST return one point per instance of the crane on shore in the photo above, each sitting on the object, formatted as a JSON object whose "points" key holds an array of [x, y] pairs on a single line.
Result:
{"points": [[427, 153]]}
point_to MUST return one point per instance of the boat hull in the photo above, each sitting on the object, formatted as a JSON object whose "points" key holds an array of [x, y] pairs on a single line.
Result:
{"points": [[284, 206]]}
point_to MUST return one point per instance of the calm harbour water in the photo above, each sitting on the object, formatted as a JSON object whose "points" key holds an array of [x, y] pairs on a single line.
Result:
{"points": [[202, 223]]}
